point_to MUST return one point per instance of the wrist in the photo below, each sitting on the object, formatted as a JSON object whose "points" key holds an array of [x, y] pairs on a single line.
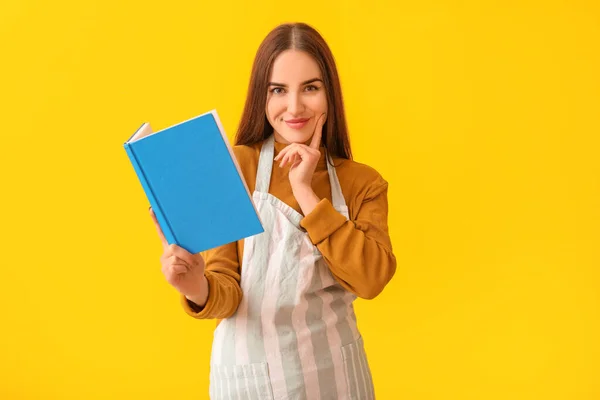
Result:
{"points": [[306, 197], [303, 189], [201, 298]]}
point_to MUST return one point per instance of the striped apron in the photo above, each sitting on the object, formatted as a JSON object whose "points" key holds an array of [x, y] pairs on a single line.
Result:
{"points": [[294, 334]]}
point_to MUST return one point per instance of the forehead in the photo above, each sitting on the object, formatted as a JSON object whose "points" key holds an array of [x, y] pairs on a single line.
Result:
{"points": [[293, 66]]}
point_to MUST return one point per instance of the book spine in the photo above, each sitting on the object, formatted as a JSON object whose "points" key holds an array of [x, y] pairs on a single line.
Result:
{"points": [[160, 216]]}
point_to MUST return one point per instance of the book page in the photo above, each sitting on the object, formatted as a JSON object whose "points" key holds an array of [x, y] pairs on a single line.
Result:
{"points": [[144, 131]]}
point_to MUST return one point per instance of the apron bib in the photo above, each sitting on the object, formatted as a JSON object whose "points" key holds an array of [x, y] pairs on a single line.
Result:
{"points": [[294, 334]]}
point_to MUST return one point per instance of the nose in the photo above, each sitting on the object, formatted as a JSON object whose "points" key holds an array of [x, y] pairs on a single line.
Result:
{"points": [[295, 104]]}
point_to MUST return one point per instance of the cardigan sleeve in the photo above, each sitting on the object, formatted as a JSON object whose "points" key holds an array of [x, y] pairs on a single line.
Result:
{"points": [[222, 271], [358, 251]]}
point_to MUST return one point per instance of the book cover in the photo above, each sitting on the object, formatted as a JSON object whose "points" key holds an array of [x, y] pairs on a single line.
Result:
{"points": [[193, 183]]}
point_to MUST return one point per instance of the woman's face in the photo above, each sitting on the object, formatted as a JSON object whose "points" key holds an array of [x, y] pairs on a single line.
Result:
{"points": [[296, 97]]}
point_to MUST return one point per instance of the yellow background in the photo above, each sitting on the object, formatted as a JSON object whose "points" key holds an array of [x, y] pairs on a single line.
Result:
{"points": [[483, 117]]}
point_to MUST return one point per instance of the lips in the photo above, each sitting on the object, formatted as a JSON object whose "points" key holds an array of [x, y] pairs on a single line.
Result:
{"points": [[297, 120], [297, 123]]}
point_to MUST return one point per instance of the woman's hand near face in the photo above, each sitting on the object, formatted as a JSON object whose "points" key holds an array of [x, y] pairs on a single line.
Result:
{"points": [[303, 159]]}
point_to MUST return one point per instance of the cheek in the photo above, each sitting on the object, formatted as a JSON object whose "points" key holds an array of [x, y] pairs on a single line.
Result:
{"points": [[319, 102], [274, 108]]}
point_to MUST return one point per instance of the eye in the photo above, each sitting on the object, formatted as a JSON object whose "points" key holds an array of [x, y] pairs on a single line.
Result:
{"points": [[277, 90], [311, 88]]}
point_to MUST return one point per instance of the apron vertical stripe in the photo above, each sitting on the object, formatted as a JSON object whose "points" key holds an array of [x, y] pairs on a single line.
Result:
{"points": [[264, 394], [238, 389], [305, 347], [246, 392], [211, 385], [361, 378], [371, 387], [214, 384], [255, 264], [352, 374], [230, 383], [366, 373], [268, 310], [216, 352], [334, 324], [318, 334], [221, 384], [229, 336], [286, 303], [241, 316], [349, 298], [223, 389]]}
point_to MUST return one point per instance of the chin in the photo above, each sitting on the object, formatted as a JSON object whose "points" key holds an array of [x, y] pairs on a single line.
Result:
{"points": [[295, 136]]}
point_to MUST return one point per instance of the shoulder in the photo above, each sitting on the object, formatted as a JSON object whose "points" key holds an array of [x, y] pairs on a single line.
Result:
{"points": [[363, 171], [359, 179], [246, 153], [247, 158]]}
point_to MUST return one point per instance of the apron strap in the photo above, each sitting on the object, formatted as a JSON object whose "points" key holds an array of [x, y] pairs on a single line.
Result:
{"points": [[337, 197], [265, 165]]}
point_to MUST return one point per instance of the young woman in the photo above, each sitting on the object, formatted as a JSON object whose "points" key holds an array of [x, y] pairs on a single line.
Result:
{"points": [[284, 298]]}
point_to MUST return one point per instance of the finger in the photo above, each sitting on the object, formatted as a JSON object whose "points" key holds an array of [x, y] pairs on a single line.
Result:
{"points": [[284, 160], [174, 272], [297, 161], [315, 143], [290, 153], [292, 159], [302, 153], [161, 235], [182, 254], [283, 152], [179, 269], [174, 260]]}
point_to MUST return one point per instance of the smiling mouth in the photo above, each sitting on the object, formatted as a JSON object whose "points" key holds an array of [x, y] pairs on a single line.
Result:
{"points": [[297, 123]]}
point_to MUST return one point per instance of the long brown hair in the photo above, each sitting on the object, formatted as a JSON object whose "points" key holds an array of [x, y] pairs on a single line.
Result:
{"points": [[254, 126]]}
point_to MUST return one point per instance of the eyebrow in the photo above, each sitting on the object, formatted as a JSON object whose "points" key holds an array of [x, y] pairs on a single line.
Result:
{"points": [[303, 83]]}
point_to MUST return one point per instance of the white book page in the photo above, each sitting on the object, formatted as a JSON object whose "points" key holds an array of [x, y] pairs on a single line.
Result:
{"points": [[145, 130]]}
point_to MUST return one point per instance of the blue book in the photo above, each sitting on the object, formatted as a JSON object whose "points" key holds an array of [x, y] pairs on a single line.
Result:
{"points": [[193, 183]]}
